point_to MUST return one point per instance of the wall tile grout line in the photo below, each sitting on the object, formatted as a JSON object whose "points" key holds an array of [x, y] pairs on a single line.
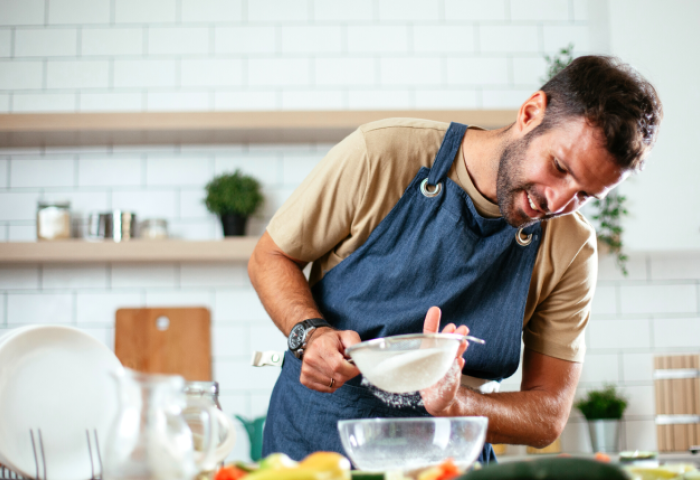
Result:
{"points": [[13, 31], [74, 300], [79, 41], [44, 74], [572, 15]]}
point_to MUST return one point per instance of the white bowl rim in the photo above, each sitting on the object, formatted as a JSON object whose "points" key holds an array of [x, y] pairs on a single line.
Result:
{"points": [[469, 419], [408, 336]]}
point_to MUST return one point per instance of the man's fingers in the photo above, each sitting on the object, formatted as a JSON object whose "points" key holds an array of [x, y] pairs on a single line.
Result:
{"points": [[324, 359], [449, 328], [319, 383], [432, 320], [462, 330]]}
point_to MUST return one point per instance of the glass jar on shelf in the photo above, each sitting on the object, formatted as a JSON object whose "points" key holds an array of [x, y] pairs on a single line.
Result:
{"points": [[53, 220], [154, 229]]}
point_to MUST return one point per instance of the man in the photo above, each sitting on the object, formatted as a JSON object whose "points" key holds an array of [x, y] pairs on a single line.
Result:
{"points": [[407, 214]]}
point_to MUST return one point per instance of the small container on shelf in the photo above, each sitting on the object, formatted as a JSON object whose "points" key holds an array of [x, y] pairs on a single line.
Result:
{"points": [[154, 229], [53, 220]]}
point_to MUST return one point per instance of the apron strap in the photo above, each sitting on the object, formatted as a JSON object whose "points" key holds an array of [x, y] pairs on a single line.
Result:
{"points": [[447, 153]]}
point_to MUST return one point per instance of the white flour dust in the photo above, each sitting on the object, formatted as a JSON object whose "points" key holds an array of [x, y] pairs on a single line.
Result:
{"points": [[398, 371], [395, 400], [414, 399]]}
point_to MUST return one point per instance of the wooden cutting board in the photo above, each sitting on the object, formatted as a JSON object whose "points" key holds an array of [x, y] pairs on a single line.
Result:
{"points": [[165, 340]]}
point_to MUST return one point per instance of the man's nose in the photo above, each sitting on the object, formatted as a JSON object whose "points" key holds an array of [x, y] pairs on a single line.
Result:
{"points": [[560, 200]]}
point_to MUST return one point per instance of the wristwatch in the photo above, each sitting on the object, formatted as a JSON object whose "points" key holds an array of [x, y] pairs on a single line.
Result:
{"points": [[300, 333]]}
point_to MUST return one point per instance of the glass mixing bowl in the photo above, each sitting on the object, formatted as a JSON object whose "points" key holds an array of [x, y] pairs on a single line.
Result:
{"points": [[405, 363], [406, 444]]}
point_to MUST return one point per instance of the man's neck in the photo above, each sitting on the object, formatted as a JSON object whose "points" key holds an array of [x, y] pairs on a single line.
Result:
{"points": [[482, 151]]}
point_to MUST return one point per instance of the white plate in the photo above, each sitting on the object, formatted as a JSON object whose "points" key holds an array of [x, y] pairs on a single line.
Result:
{"points": [[55, 379], [12, 332]]}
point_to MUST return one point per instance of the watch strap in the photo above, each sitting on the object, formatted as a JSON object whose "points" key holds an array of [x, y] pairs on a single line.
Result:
{"points": [[308, 325], [316, 322]]}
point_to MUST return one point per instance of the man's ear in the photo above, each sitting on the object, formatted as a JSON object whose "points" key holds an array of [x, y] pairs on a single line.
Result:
{"points": [[531, 112]]}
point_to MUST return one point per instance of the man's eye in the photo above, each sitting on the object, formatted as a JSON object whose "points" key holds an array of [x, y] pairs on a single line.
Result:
{"points": [[561, 170]]}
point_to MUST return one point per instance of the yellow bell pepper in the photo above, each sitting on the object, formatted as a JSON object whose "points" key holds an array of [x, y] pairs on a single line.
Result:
{"points": [[276, 461], [317, 466]]}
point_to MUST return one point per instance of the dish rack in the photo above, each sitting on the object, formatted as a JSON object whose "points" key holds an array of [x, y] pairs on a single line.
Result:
{"points": [[93, 445]]}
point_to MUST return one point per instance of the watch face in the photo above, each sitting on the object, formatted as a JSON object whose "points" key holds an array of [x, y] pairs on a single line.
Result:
{"points": [[296, 337]]}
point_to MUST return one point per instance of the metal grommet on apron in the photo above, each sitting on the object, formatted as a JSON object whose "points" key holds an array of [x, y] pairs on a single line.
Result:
{"points": [[424, 189], [478, 276], [523, 242]]}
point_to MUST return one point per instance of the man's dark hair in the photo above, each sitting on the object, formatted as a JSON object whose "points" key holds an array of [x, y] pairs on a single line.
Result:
{"points": [[612, 96]]}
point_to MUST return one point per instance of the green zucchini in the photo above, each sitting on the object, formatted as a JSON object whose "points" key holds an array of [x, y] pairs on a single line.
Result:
{"points": [[358, 475], [549, 469]]}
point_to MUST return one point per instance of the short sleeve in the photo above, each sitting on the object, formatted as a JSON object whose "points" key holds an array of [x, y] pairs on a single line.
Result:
{"points": [[320, 212], [557, 326]]}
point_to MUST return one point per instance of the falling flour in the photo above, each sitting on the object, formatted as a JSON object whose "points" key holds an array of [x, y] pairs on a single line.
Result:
{"points": [[414, 399], [399, 371]]}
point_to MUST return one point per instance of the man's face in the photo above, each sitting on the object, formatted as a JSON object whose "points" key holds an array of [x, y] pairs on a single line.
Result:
{"points": [[554, 173]]}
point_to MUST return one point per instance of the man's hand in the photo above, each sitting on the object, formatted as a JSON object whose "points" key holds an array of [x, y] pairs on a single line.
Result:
{"points": [[536, 415], [440, 397], [324, 359], [285, 293]]}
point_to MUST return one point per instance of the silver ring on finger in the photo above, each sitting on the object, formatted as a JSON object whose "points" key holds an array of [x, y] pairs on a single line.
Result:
{"points": [[330, 385]]}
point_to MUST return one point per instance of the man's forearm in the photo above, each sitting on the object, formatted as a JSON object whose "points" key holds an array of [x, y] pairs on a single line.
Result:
{"points": [[281, 286], [536, 415], [522, 418]]}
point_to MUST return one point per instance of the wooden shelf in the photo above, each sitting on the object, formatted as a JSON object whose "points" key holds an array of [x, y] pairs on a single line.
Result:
{"points": [[236, 249], [76, 129]]}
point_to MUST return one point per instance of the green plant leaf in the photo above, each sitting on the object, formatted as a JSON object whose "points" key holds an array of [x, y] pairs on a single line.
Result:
{"points": [[233, 193], [605, 404]]}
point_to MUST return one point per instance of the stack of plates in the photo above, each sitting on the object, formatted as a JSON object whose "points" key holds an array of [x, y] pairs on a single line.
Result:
{"points": [[56, 380]]}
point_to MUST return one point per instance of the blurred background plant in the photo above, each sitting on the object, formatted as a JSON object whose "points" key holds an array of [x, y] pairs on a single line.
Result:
{"points": [[608, 212], [233, 197], [604, 404]]}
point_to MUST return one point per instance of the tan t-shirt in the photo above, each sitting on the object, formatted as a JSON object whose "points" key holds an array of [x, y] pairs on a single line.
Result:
{"points": [[332, 213]]}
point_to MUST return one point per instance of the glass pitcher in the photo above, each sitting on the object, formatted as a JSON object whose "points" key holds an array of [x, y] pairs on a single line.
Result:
{"points": [[150, 439], [196, 394]]}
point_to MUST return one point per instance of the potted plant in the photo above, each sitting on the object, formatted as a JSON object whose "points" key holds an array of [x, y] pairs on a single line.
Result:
{"points": [[233, 197], [608, 212], [603, 410]]}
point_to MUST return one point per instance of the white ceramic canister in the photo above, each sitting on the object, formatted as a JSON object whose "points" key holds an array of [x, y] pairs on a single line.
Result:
{"points": [[53, 220]]}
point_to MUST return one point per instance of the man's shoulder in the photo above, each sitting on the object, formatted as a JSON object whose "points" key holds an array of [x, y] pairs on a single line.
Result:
{"points": [[397, 123], [403, 137], [392, 129], [571, 235]]}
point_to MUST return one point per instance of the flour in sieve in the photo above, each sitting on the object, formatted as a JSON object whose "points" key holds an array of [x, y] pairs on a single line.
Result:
{"points": [[415, 399], [395, 400]]}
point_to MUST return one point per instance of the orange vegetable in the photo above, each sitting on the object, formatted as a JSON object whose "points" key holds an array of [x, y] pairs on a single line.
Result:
{"points": [[602, 457], [448, 470], [230, 473]]}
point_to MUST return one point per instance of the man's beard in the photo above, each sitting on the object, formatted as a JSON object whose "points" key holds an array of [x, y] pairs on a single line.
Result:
{"points": [[509, 185]]}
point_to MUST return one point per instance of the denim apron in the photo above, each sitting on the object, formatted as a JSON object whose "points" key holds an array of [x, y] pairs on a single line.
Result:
{"points": [[433, 248]]}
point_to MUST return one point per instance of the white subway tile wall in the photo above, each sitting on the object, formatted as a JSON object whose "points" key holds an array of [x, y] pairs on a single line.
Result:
{"points": [[165, 55], [149, 55]]}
